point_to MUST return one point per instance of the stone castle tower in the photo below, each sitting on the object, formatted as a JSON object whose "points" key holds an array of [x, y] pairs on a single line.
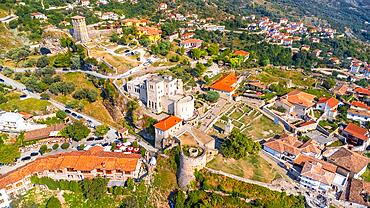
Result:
{"points": [[80, 29]]}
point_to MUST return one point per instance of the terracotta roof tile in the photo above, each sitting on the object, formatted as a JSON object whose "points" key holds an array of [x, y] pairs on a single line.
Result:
{"points": [[357, 131], [349, 160], [42, 133], [241, 53], [331, 102], [302, 159], [167, 123], [301, 98], [226, 83], [80, 160], [357, 192]]}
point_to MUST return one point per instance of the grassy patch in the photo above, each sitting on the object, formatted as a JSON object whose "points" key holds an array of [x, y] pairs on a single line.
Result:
{"points": [[29, 105], [270, 75], [7, 39], [95, 109], [265, 196], [318, 92], [253, 167], [337, 143], [165, 176], [366, 175], [263, 128], [236, 114]]}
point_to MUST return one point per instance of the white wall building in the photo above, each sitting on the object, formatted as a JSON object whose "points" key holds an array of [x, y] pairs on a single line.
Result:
{"points": [[162, 94], [14, 122]]}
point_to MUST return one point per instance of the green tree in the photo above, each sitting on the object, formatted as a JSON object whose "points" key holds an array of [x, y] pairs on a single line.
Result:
{"points": [[101, 130], [94, 189], [42, 62], [64, 146], [53, 203], [77, 131], [213, 49], [8, 153], [43, 149], [55, 146], [238, 145], [212, 96], [61, 114], [45, 96], [329, 83]]}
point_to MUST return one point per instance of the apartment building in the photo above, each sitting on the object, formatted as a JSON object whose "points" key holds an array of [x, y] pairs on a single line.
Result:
{"points": [[78, 165]]}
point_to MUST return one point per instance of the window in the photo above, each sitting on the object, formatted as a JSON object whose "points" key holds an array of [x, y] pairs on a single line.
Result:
{"points": [[108, 172], [85, 171], [2, 201], [19, 184]]}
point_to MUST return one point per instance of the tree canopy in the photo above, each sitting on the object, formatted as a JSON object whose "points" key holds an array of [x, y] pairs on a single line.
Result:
{"points": [[238, 145], [77, 131]]}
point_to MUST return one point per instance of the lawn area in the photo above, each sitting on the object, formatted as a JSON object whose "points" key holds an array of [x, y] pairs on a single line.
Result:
{"points": [[263, 128], [121, 63], [95, 109], [366, 175], [29, 105], [265, 196], [270, 75], [236, 114], [34, 198], [3, 13], [253, 167], [318, 92]]}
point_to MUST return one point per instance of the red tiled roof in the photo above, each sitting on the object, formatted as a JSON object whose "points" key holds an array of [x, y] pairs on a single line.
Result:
{"points": [[302, 159], [360, 105], [192, 40], [362, 91], [226, 83], [94, 158], [42, 133], [357, 131], [167, 123], [301, 98], [241, 53], [349, 160], [331, 102]]}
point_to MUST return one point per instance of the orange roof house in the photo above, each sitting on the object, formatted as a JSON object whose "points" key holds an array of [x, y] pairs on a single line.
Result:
{"points": [[298, 97], [349, 160], [331, 102], [356, 131], [226, 84], [94, 158], [167, 123], [241, 53], [360, 105], [43, 132], [362, 91]]}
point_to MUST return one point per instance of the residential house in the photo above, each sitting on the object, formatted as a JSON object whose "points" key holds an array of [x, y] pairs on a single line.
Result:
{"points": [[356, 136], [102, 2], [283, 20], [288, 42], [362, 93], [297, 102], [341, 90], [15, 123], [39, 16], [44, 133], [355, 67], [165, 129], [357, 192], [351, 162], [288, 147], [226, 84], [109, 16], [154, 34], [191, 43], [75, 166], [256, 86], [242, 53], [85, 2], [187, 35], [317, 174], [305, 48], [162, 6], [173, 36], [334, 60], [134, 22], [209, 27], [328, 106], [359, 111]]}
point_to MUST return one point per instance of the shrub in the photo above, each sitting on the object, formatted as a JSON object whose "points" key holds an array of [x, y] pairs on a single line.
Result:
{"points": [[65, 146], [55, 146]]}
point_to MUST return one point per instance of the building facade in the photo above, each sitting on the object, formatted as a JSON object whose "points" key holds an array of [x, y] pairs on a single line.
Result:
{"points": [[78, 165], [162, 94]]}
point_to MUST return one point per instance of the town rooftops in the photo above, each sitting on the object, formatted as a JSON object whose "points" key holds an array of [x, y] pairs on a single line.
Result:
{"points": [[94, 158], [150, 30], [292, 145], [191, 40], [10, 116], [43, 133], [226, 83], [349, 160], [241, 53], [360, 105], [315, 170], [357, 131], [363, 91], [167, 123], [357, 192], [302, 159], [298, 97], [331, 102]]}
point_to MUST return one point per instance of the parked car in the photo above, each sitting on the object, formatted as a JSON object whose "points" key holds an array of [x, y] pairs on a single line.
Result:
{"points": [[74, 114], [26, 158], [99, 138], [90, 139], [1, 80], [34, 154], [23, 96], [79, 116], [67, 111]]}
